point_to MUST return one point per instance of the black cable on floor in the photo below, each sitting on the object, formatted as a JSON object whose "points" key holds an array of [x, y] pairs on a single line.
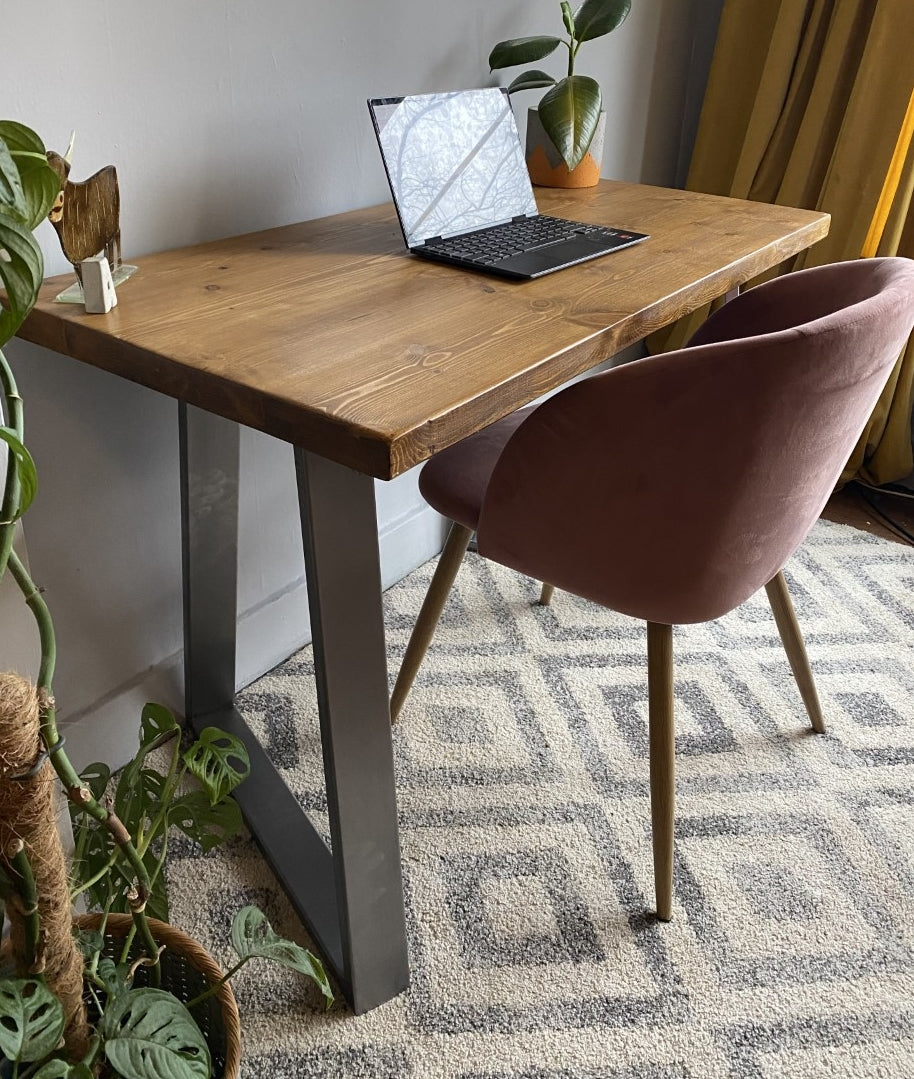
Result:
{"points": [[886, 519]]}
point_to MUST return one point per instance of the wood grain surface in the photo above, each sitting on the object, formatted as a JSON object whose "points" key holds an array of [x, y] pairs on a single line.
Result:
{"points": [[329, 335]]}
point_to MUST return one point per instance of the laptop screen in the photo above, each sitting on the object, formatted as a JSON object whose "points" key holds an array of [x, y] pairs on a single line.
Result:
{"points": [[454, 162]]}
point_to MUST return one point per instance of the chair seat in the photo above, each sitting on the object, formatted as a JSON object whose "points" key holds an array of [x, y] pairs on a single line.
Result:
{"points": [[454, 481]]}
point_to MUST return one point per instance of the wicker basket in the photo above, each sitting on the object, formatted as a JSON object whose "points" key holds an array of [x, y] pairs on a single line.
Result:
{"points": [[187, 970]]}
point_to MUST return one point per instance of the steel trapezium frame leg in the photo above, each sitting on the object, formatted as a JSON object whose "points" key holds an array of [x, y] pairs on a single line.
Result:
{"points": [[340, 533], [361, 936]]}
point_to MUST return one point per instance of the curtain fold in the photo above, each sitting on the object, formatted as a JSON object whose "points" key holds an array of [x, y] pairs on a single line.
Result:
{"points": [[806, 105]]}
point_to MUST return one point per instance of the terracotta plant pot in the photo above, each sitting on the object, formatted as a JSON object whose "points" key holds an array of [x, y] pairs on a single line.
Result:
{"points": [[545, 164]]}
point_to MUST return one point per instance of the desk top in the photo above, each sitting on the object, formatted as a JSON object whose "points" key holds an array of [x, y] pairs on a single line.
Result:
{"points": [[329, 335]]}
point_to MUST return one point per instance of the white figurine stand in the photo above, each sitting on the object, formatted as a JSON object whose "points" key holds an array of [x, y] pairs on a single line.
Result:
{"points": [[98, 285]]}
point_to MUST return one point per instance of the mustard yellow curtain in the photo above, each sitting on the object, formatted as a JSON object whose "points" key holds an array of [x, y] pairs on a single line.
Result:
{"points": [[811, 103]]}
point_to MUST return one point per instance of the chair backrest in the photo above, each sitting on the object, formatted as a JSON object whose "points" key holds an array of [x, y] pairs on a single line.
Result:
{"points": [[672, 488]]}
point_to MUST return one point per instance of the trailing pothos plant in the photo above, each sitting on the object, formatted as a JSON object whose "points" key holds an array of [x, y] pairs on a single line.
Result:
{"points": [[121, 823], [570, 108]]}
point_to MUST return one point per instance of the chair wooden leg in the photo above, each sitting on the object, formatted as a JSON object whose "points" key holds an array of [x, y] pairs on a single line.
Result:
{"points": [[662, 760], [546, 594], [454, 549], [786, 619]]}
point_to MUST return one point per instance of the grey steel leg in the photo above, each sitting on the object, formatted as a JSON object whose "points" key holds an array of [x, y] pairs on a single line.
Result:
{"points": [[209, 531], [339, 527], [352, 901]]}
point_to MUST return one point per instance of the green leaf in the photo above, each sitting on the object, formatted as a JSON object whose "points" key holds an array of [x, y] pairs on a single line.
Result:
{"points": [[149, 1034], [113, 976], [569, 113], [157, 901], [219, 761], [253, 937], [79, 1071], [96, 845], [96, 777], [594, 18], [31, 1019], [531, 80], [25, 471], [22, 155], [21, 271], [54, 1069], [21, 139], [89, 942], [108, 893], [41, 186], [138, 797], [155, 722], [206, 824], [521, 50], [12, 197]]}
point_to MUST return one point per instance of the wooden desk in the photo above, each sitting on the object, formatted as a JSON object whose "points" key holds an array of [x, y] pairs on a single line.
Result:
{"points": [[327, 334]]}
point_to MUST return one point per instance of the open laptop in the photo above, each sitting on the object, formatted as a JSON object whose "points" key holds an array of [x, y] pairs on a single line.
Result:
{"points": [[462, 192]]}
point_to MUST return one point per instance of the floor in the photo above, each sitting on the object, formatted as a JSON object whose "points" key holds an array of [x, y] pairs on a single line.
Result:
{"points": [[883, 514]]}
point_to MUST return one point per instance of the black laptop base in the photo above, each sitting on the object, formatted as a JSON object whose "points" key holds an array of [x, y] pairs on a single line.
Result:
{"points": [[581, 247]]}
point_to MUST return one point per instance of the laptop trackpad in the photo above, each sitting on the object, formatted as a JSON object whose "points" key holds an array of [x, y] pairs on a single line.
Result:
{"points": [[558, 255]]}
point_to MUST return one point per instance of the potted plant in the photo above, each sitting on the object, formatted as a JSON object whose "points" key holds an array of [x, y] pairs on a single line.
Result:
{"points": [[571, 111], [126, 994]]}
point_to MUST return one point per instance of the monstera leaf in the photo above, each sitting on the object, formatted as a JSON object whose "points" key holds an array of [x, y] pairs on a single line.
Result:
{"points": [[149, 1034], [28, 187], [253, 936], [219, 761], [206, 824], [60, 1069], [31, 1019], [156, 722]]}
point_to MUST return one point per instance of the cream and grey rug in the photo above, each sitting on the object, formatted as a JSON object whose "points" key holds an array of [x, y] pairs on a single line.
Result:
{"points": [[522, 780]]}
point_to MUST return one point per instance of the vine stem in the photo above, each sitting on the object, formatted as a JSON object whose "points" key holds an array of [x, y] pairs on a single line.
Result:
{"points": [[14, 417], [24, 893], [75, 790], [87, 884], [216, 986]]}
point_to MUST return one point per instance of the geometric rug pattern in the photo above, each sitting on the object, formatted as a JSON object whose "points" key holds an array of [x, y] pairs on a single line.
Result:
{"points": [[525, 831]]}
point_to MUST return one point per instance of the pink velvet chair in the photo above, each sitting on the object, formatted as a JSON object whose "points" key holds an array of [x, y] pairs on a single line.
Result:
{"points": [[674, 487]]}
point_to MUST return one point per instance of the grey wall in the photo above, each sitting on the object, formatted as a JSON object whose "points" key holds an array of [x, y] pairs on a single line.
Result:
{"points": [[222, 117]]}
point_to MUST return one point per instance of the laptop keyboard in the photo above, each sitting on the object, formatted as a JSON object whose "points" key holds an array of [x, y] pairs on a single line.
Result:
{"points": [[488, 246]]}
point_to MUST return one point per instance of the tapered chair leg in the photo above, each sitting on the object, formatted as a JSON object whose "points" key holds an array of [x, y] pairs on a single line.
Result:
{"points": [[662, 760], [546, 594], [448, 564], [786, 619]]}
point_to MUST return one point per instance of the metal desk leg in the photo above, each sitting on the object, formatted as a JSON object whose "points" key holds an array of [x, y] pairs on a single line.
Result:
{"points": [[351, 903], [339, 527], [209, 533]]}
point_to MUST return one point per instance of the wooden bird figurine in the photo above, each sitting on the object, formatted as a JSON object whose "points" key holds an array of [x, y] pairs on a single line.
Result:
{"points": [[86, 214]]}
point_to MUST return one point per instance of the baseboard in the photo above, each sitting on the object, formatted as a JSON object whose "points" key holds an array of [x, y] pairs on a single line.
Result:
{"points": [[108, 730]]}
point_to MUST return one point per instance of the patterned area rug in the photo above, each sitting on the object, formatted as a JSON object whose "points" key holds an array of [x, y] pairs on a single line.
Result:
{"points": [[522, 785]]}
